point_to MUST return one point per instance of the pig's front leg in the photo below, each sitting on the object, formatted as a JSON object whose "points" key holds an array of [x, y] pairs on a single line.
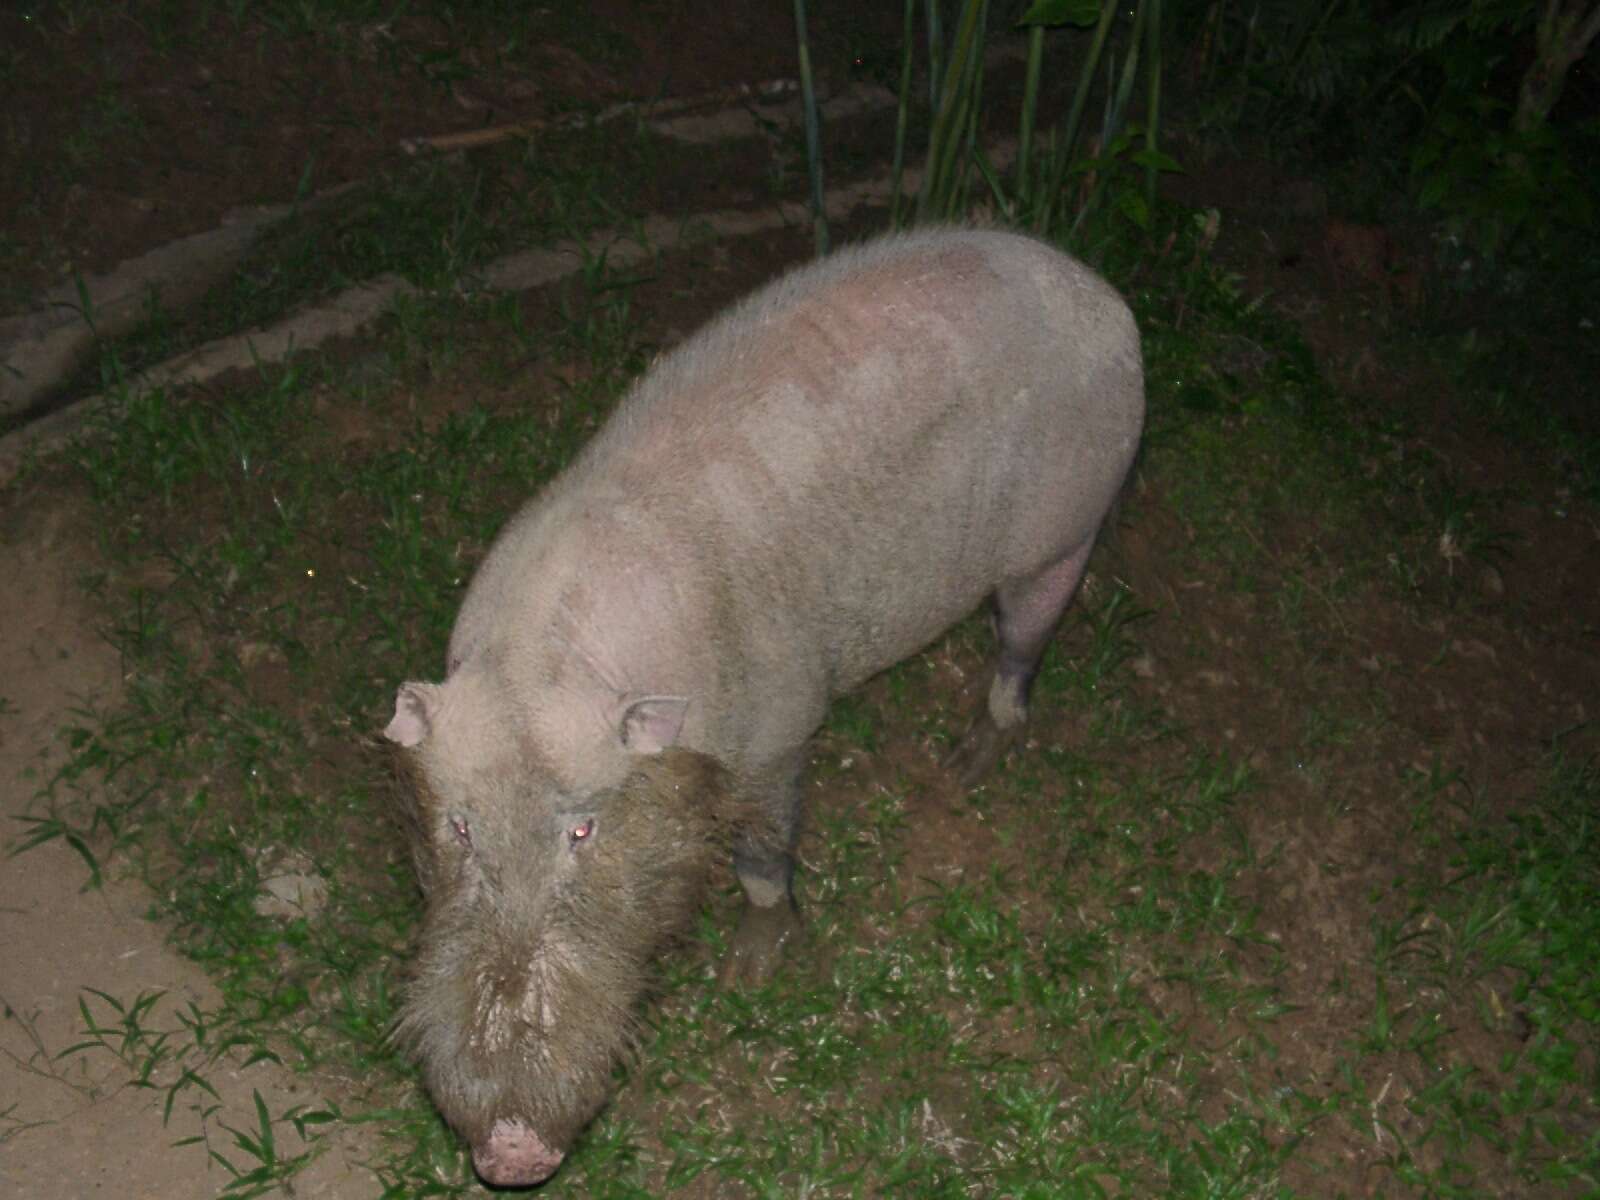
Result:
{"points": [[765, 866]]}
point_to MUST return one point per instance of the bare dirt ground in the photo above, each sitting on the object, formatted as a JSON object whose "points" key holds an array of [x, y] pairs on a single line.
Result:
{"points": [[124, 153], [128, 130], [78, 1127], [83, 1125]]}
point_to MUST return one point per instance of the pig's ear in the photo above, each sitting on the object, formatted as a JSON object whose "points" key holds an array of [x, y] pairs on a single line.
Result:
{"points": [[414, 707], [652, 723]]}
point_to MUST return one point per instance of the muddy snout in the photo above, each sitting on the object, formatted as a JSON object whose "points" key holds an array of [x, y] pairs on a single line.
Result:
{"points": [[539, 944], [514, 1156]]}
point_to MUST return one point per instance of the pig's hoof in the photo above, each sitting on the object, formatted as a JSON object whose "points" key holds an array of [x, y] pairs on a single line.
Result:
{"points": [[980, 751], [757, 946]]}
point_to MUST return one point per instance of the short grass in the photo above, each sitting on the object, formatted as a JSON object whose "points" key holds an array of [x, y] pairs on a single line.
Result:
{"points": [[1070, 983]]}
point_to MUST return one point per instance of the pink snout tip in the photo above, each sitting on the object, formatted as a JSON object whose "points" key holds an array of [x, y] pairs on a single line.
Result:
{"points": [[514, 1156]]}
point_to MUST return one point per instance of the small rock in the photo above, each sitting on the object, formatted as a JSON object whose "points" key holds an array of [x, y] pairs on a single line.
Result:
{"points": [[291, 888]]}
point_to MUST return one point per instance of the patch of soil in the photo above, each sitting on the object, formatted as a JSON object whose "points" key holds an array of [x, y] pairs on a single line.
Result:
{"points": [[130, 125], [61, 938]]}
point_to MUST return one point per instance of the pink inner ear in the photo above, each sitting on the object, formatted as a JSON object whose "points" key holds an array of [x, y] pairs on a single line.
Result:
{"points": [[652, 724], [413, 714]]}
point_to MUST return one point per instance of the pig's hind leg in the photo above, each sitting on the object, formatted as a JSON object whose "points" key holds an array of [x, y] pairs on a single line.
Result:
{"points": [[765, 866], [1026, 614]]}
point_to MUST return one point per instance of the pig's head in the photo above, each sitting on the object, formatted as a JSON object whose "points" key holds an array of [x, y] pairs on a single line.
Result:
{"points": [[545, 907]]}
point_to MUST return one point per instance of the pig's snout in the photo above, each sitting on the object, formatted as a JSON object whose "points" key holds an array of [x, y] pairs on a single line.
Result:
{"points": [[514, 1156]]}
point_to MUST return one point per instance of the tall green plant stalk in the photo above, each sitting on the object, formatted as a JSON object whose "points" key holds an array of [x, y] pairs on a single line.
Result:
{"points": [[1152, 120], [819, 215], [1117, 106], [1116, 111], [1066, 142], [1034, 195], [902, 117], [936, 199], [1030, 104], [972, 90]]}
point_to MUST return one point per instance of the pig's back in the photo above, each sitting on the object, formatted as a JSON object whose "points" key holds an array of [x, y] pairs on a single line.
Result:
{"points": [[873, 443]]}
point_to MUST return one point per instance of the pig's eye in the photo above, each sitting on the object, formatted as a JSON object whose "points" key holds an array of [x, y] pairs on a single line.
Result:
{"points": [[578, 834], [458, 826]]}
